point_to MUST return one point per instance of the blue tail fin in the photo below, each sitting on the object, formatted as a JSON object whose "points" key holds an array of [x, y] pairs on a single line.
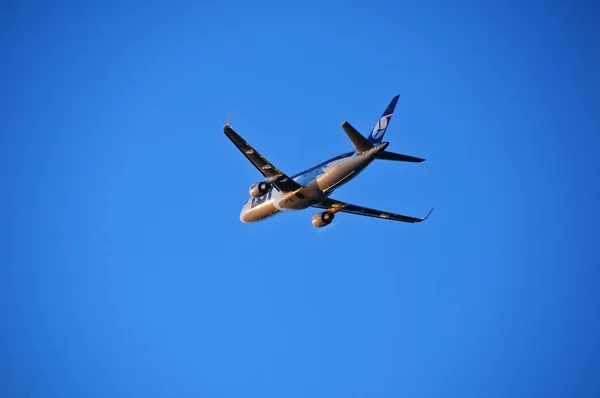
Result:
{"points": [[379, 130]]}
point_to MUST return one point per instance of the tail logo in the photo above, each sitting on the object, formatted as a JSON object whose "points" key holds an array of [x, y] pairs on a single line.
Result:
{"points": [[380, 127]]}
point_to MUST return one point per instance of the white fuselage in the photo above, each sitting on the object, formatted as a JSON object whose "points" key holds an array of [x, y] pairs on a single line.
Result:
{"points": [[317, 183]]}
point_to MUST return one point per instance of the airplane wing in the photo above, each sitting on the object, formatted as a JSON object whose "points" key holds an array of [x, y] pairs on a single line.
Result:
{"points": [[336, 205], [273, 175]]}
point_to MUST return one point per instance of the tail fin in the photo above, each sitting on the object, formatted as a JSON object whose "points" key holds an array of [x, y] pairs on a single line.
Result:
{"points": [[379, 130]]}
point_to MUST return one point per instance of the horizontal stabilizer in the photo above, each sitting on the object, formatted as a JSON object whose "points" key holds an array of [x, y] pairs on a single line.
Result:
{"points": [[386, 155], [358, 140]]}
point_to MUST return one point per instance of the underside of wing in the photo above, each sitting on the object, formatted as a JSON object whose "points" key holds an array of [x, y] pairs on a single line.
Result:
{"points": [[334, 206], [273, 175]]}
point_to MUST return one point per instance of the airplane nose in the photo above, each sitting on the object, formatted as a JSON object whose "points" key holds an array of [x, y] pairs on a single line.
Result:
{"points": [[245, 208]]}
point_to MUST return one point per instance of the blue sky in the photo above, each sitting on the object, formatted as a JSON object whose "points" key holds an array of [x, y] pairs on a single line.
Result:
{"points": [[126, 271]]}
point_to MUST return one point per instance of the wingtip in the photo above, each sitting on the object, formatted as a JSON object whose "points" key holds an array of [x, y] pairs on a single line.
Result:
{"points": [[428, 214]]}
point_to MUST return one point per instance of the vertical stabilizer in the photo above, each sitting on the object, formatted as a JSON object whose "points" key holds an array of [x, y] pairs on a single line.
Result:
{"points": [[382, 124]]}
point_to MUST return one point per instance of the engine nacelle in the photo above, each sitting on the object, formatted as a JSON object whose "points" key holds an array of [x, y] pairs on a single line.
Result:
{"points": [[258, 190], [320, 220]]}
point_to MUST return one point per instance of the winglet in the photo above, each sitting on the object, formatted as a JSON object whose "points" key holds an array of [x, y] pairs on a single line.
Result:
{"points": [[228, 119], [428, 214]]}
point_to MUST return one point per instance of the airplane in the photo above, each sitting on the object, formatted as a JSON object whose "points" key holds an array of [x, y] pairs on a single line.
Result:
{"points": [[278, 192]]}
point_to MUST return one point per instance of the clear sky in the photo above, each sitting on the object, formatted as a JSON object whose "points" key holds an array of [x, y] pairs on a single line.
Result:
{"points": [[125, 271]]}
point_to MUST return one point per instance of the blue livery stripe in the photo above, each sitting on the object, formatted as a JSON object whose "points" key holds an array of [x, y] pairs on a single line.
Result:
{"points": [[376, 135]]}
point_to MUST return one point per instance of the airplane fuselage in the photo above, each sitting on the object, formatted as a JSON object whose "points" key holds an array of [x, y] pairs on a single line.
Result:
{"points": [[317, 183]]}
